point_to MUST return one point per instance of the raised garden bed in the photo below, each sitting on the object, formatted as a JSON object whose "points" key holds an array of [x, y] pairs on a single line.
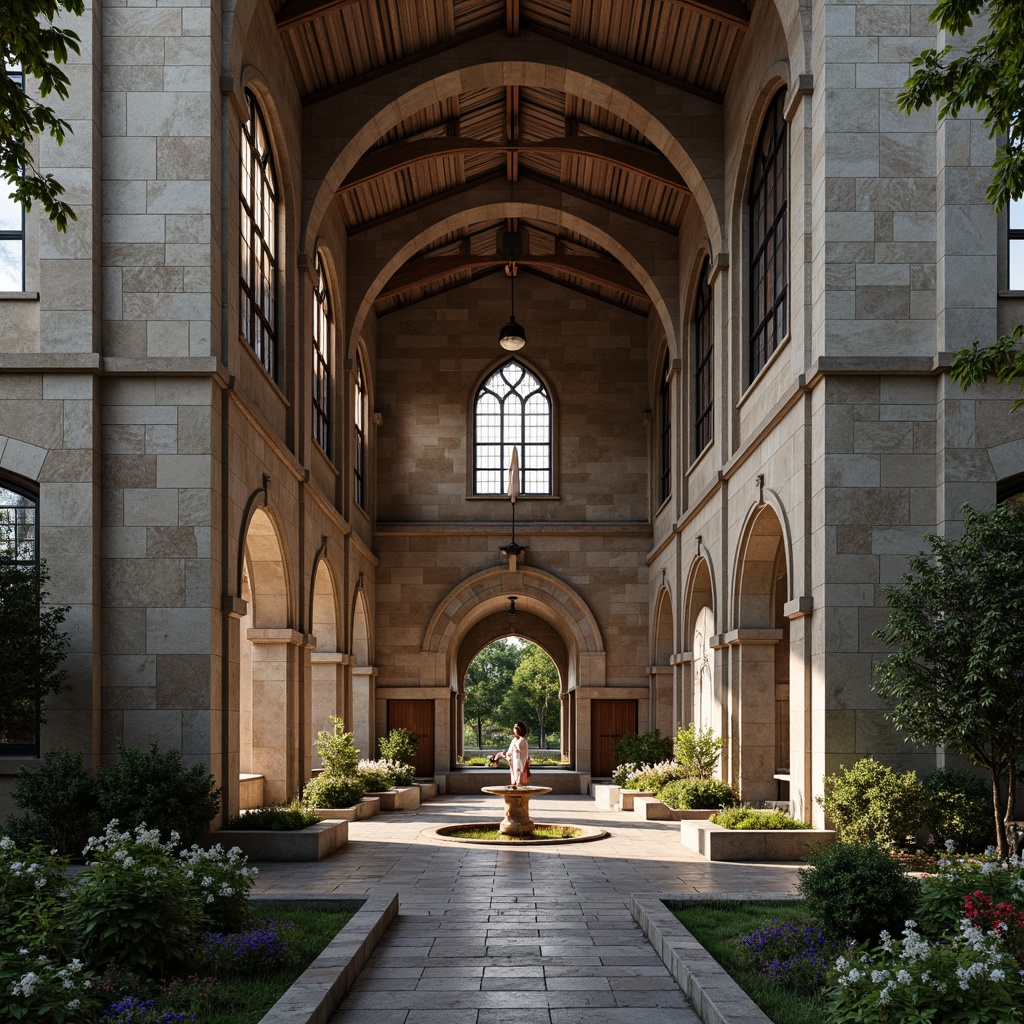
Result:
{"points": [[402, 798], [627, 796], [650, 808], [312, 843], [366, 808], [713, 842]]}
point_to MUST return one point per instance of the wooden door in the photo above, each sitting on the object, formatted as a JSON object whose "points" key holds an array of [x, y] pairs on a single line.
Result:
{"points": [[418, 717], [609, 721]]}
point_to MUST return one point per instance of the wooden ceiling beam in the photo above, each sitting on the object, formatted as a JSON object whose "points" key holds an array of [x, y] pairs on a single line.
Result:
{"points": [[511, 17], [420, 272], [297, 12], [399, 155], [731, 12]]}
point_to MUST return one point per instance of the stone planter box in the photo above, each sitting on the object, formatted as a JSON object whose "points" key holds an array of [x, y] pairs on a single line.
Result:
{"points": [[650, 808], [606, 796], [366, 808], [428, 790], [716, 843], [250, 792], [313, 843], [627, 796], [403, 798]]}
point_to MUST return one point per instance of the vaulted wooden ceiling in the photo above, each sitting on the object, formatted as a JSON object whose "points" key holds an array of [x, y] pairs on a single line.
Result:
{"points": [[513, 133]]}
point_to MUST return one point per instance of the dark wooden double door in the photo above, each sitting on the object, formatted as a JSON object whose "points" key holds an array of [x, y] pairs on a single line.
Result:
{"points": [[418, 717], [610, 720]]}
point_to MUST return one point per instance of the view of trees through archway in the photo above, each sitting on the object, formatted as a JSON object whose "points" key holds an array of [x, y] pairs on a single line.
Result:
{"points": [[511, 680]]}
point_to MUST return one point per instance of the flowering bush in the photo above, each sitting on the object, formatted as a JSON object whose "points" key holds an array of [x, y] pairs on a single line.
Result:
{"points": [[653, 776], [968, 980], [382, 774], [37, 988], [944, 892], [1003, 920], [133, 1010], [245, 952], [795, 955], [623, 772], [221, 882], [134, 905], [33, 884]]}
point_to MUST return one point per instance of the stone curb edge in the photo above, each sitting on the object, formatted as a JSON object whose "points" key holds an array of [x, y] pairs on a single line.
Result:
{"points": [[315, 994], [715, 997]]}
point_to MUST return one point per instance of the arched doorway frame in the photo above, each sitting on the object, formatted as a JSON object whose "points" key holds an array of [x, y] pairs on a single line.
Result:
{"points": [[538, 594], [701, 592]]}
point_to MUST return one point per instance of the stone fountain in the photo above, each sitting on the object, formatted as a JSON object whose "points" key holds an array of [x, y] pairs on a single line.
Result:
{"points": [[517, 807]]}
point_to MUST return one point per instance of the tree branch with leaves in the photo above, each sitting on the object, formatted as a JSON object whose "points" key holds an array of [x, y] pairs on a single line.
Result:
{"points": [[31, 40]]}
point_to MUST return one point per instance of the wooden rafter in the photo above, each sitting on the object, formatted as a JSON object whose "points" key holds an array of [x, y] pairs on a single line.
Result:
{"points": [[420, 272], [731, 12], [511, 17], [626, 155], [296, 12]]}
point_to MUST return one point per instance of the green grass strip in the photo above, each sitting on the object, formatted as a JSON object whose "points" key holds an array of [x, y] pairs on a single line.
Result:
{"points": [[718, 925]]}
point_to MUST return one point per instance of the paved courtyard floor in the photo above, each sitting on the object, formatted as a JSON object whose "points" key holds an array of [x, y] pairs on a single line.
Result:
{"points": [[527, 935]]}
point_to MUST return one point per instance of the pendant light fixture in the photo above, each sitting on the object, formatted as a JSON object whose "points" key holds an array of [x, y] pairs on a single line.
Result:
{"points": [[512, 337]]}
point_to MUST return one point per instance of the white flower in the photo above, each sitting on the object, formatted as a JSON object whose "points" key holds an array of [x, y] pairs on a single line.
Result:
{"points": [[74, 1004], [903, 977], [950, 846], [6, 843], [26, 986], [855, 974], [877, 977], [997, 975]]}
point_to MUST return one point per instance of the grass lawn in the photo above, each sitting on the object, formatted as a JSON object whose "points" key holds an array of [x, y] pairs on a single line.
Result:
{"points": [[246, 1000], [719, 924]]}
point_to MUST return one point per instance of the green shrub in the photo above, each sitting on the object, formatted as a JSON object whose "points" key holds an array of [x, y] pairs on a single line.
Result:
{"points": [[399, 745], [374, 777], [337, 750], [220, 882], [697, 753], [870, 803], [746, 818], [650, 748], [33, 891], [147, 787], [855, 890], [329, 791], [60, 800], [134, 906], [400, 773], [959, 809], [275, 819], [697, 793]]}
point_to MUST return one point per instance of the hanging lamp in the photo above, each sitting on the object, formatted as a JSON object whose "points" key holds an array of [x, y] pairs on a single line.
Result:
{"points": [[512, 337]]}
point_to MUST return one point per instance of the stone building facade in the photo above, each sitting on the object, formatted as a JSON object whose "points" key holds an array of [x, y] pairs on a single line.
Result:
{"points": [[727, 497]]}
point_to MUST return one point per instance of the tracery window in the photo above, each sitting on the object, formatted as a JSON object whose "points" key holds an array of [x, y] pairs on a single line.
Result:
{"points": [[322, 327], [512, 410], [768, 262], [703, 362], [359, 415], [258, 257], [19, 545], [12, 222], [664, 432]]}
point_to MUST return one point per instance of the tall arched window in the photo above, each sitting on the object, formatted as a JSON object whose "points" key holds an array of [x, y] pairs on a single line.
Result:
{"points": [[768, 264], [12, 221], [359, 419], [703, 362], [665, 432], [321, 359], [258, 229], [512, 410], [19, 548]]}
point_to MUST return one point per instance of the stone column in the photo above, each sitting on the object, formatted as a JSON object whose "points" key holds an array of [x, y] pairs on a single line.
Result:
{"points": [[364, 704], [330, 694], [277, 657]]}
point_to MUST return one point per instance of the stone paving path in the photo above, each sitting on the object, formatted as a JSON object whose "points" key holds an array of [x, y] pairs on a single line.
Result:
{"points": [[529, 935]]}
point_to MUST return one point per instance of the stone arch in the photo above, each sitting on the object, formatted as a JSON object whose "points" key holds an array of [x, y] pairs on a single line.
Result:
{"points": [[362, 697], [366, 281], [664, 698], [663, 644], [702, 696], [329, 695], [478, 70], [764, 540], [266, 562]]}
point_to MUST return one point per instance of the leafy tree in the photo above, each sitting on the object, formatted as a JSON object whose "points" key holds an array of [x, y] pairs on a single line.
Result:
{"points": [[535, 693], [698, 751], [32, 649], [30, 40], [488, 679], [985, 76], [956, 678]]}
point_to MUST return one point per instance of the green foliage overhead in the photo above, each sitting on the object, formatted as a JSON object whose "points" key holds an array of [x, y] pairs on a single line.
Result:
{"points": [[955, 677], [30, 39], [985, 76], [32, 648]]}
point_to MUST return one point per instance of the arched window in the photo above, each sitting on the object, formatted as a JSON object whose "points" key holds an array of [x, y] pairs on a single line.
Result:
{"points": [[258, 257], [665, 432], [769, 274], [703, 362], [19, 549], [1015, 244], [12, 221], [359, 418], [512, 410], [321, 359]]}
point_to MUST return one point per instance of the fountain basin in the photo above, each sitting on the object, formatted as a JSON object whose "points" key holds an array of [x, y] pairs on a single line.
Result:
{"points": [[517, 807], [571, 834]]}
